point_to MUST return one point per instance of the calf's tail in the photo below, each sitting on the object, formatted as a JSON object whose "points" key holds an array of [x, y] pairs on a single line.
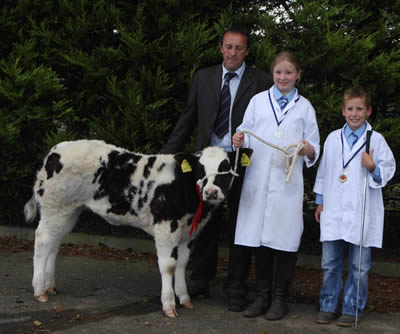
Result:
{"points": [[30, 209]]}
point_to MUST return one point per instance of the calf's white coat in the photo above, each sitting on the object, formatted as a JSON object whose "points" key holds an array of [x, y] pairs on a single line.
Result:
{"points": [[124, 188]]}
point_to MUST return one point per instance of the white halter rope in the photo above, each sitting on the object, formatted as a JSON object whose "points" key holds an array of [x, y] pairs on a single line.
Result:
{"points": [[233, 172], [290, 162], [291, 158]]}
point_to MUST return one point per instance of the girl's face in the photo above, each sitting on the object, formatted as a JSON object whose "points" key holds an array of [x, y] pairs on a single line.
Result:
{"points": [[285, 76]]}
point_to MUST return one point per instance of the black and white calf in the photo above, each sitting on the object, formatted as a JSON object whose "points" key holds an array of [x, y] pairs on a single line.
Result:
{"points": [[168, 196]]}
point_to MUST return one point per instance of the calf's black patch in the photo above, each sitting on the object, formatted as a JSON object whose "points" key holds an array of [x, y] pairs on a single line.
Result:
{"points": [[223, 180], [174, 253], [114, 178], [53, 164], [161, 167], [174, 226], [148, 167]]}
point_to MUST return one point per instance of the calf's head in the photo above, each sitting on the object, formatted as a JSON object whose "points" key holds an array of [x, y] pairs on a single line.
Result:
{"points": [[214, 174], [211, 170]]}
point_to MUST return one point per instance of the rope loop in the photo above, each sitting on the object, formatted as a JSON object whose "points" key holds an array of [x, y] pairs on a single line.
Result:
{"points": [[291, 158]]}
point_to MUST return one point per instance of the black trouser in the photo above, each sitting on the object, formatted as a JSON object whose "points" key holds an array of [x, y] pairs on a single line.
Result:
{"points": [[276, 267], [204, 254]]}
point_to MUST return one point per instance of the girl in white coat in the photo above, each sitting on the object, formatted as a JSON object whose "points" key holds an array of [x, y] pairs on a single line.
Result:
{"points": [[339, 188], [270, 216]]}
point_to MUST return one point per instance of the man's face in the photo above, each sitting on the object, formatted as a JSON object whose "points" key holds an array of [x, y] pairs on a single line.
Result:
{"points": [[234, 50], [355, 112]]}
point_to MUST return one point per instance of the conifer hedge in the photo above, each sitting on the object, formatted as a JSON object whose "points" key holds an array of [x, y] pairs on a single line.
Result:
{"points": [[120, 70]]}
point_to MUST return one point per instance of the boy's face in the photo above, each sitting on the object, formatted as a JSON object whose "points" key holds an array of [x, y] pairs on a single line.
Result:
{"points": [[355, 112]]}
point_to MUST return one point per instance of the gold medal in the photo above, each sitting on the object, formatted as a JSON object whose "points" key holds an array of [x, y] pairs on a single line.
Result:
{"points": [[277, 134], [342, 178]]}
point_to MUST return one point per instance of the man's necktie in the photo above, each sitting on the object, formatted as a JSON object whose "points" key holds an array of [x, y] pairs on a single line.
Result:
{"points": [[221, 124], [283, 101]]}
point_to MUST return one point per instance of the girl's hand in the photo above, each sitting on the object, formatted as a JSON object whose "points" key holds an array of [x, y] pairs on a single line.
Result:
{"points": [[307, 150], [238, 139]]}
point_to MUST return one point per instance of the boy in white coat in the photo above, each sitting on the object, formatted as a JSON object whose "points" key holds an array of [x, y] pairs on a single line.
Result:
{"points": [[339, 198]]}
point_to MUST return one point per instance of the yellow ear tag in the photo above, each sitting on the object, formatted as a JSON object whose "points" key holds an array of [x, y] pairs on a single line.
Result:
{"points": [[245, 160], [186, 166]]}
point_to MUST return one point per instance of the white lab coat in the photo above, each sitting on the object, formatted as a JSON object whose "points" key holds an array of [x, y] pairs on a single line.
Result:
{"points": [[271, 210], [341, 218]]}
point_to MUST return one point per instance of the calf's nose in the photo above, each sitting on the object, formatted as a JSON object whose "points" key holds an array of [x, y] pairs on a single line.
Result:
{"points": [[211, 193]]}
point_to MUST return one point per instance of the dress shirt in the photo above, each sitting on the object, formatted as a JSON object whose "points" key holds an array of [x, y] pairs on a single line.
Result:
{"points": [[226, 141], [278, 94]]}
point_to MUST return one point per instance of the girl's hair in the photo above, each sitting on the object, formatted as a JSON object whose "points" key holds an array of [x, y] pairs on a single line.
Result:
{"points": [[357, 92], [285, 56]]}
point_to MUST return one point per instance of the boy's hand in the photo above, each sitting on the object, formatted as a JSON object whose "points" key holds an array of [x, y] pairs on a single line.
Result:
{"points": [[368, 161], [238, 139], [318, 211], [307, 150]]}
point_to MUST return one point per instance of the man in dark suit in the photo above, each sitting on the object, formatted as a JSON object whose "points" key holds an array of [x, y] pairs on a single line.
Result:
{"points": [[204, 109]]}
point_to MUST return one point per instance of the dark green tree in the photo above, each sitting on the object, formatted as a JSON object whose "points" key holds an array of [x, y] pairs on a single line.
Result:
{"points": [[112, 70], [340, 44], [120, 70]]}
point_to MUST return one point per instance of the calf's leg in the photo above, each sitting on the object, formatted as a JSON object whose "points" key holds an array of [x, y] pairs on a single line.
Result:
{"points": [[180, 281], [167, 265], [48, 238]]}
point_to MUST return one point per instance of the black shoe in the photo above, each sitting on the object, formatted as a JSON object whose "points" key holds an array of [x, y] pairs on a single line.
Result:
{"points": [[259, 306], [236, 304], [325, 318], [347, 320], [199, 289], [278, 309]]}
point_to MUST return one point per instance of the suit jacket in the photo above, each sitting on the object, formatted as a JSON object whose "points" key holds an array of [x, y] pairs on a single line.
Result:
{"points": [[202, 105]]}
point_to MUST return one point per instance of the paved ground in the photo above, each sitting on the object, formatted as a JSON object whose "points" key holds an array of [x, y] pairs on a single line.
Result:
{"points": [[103, 296]]}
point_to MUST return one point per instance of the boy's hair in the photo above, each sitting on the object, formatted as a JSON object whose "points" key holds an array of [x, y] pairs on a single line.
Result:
{"points": [[239, 29], [357, 92], [285, 56]]}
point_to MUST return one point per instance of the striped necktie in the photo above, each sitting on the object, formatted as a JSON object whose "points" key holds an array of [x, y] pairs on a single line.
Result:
{"points": [[354, 140], [221, 125], [283, 101]]}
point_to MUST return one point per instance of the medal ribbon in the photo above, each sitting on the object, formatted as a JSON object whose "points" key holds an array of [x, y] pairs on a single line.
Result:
{"points": [[273, 109], [359, 149]]}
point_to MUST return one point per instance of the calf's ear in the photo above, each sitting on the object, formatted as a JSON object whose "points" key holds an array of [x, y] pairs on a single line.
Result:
{"points": [[244, 158], [186, 162]]}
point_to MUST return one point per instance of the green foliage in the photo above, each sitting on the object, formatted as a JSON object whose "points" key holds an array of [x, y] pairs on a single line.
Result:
{"points": [[139, 122], [120, 70], [340, 44], [112, 70], [32, 106]]}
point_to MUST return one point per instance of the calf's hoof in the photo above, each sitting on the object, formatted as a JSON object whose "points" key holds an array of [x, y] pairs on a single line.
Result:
{"points": [[51, 291], [170, 313], [42, 298], [188, 305]]}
